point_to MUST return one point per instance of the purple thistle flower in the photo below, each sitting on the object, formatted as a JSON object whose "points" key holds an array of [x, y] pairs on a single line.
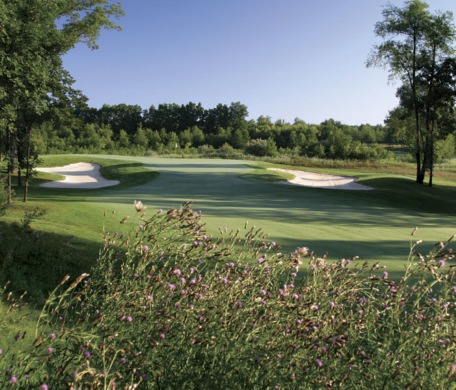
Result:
{"points": [[87, 354], [146, 248], [52, 335], [441, 263], [13, 379], [225, 280], [50, 350], [44, 387], [129, 319], [162, 336], [260, 260], [385, 274], [319, 363], [177, 272], [239, 304], [123, 360]]}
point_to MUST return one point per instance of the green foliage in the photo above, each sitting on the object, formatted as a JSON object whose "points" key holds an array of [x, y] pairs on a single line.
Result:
{"points": [[445, 148], [30, 216], [172, 307], [261, 147]]}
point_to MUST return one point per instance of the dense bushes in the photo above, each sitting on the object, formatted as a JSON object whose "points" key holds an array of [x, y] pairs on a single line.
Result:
{"points": [[169, 307]]}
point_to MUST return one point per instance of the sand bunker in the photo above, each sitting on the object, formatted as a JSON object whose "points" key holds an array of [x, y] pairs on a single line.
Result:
{"points": [[318, 180], [80, 175]]}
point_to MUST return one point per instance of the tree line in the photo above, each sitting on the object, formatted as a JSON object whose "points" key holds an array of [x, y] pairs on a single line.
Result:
{"points": [[191, 128]]}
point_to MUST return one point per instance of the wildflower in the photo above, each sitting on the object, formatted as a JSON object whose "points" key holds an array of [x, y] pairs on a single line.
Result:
{"points": [[225, 280], [52, 335], [263, 292], [279, 356], [319, 363], [13, 379], [44, 387], [160, 211], [129, 319], [87, 355], [296, 296], [146, 248], [139, 206], [123, 360], [141, 226], [183, 280], [162, 336], [239, 304], [441, 263], [177, 272], [50, 350], [332, 304], [260, 260], [385, 275]]}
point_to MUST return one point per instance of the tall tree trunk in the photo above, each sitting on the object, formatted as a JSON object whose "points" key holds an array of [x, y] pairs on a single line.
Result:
{"points": [[27, 168], [430, 117], [419, 170], [1, 140], [19, 168], [10, 165]]}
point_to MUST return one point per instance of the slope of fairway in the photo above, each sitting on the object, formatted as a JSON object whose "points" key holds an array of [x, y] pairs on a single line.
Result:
{"points": [[374, 225]]}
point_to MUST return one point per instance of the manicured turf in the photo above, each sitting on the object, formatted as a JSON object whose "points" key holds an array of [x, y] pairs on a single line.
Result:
{"points": [[374, 225]]}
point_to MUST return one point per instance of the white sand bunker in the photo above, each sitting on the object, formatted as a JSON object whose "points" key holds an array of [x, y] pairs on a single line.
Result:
{"points": [[318, 180], [80, 175]]}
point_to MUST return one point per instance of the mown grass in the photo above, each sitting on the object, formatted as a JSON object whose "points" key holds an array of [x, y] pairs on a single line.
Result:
{"points": [[375, 225]]}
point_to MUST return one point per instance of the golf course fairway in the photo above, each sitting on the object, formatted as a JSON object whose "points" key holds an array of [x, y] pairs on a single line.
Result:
{"points": [[375, 225]]}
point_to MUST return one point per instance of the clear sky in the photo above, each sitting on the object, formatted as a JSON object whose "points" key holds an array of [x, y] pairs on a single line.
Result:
{"points": [[281, 58]]}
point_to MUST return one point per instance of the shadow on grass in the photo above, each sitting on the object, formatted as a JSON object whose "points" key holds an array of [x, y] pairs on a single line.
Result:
{"points": [[36, 261]]}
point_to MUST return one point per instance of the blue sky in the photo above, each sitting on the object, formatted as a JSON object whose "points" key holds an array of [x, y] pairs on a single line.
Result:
{"points": [[281, 58]]}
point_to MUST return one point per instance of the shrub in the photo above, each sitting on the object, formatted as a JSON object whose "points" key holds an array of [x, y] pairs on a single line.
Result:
{"points": [[261, 147], [169, 307]]}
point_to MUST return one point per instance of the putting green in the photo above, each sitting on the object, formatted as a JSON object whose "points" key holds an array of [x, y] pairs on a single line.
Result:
{"points": [[374, 225]]}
